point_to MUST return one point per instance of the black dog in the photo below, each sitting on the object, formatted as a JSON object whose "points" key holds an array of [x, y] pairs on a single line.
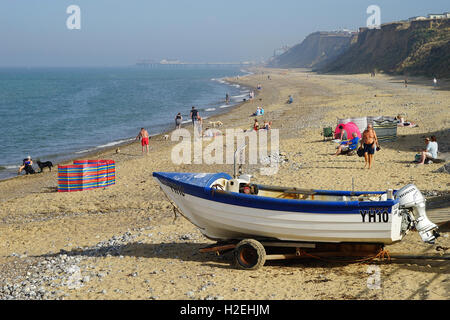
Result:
{"points": [[42, 165]]}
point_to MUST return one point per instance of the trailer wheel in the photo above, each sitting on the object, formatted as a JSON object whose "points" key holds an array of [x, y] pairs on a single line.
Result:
{"points": [[249, 254]]}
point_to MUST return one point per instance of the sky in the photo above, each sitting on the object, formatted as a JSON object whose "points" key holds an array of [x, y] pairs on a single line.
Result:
{"points": [[119, 33]]}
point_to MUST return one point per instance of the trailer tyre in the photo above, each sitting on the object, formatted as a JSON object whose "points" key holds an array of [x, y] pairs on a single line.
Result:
{"points": [[249, 254]]}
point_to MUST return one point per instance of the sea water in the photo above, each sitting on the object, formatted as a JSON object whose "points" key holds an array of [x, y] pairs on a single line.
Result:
{"points": [[54, 114]]}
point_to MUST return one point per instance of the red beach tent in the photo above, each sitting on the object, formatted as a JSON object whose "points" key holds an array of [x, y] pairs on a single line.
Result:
{"points": [[349, 127]]}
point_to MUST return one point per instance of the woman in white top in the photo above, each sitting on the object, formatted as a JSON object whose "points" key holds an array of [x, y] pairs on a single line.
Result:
{"points": [[431, 151]]}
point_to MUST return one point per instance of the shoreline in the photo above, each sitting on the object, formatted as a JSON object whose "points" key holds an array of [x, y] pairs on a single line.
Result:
{"points": [[97, 151]]}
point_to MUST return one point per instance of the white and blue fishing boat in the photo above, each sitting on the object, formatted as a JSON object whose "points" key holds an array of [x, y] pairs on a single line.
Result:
{"points": [[226, 208]]}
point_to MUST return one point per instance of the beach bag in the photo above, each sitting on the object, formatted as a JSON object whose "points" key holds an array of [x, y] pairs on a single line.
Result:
{"points": [[360, 152], [417, 157]]}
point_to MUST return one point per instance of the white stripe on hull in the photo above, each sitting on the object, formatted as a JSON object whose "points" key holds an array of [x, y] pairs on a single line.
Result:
{"points": [[221, 221]]}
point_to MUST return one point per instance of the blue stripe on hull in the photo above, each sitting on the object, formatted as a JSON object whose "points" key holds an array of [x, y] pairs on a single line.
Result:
{"points": [[186, 183]]}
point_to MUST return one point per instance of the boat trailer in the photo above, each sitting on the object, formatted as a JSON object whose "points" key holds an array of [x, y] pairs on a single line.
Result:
{"points": [[251, 254]]}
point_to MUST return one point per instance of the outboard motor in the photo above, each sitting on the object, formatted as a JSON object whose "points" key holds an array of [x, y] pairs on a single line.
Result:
{"points": [[412, 199]]}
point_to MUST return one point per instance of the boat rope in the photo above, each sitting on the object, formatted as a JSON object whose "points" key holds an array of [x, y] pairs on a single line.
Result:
{"points": [[176, 210], [382, 254]]}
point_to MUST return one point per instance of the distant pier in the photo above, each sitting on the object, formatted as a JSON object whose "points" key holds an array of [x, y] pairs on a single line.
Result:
{"points": [[185, 65]]}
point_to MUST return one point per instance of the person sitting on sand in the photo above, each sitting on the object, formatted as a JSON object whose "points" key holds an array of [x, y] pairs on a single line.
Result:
{"points": [[346, 146], [27, 165], [257, 112], [211, 133], [256, 125], [402, 123], [431, 150], [290, 100], [267, 125], [208, 133], [261, 111]]}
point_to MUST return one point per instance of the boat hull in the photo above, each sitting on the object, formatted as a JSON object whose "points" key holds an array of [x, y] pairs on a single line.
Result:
{"points": [[231, 216]]}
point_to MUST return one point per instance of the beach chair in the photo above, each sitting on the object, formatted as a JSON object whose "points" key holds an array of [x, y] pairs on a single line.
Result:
{"points": [[327, 133]]}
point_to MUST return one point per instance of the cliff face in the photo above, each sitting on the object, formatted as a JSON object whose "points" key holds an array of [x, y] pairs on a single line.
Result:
{"points": [[314, 51], [415, 48]]}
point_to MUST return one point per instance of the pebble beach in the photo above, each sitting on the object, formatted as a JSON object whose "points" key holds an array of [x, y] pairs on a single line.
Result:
{"points": [[125, 241]]}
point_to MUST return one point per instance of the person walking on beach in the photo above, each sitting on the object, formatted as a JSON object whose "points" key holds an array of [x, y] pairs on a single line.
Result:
{"points": [[143, 136], [194, 115], [434, 82], [227, 99], [369, 140], [178, 120]]}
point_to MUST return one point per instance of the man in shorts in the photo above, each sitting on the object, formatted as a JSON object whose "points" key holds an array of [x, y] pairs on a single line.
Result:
{"points": [[369, 140], [143, 136]]}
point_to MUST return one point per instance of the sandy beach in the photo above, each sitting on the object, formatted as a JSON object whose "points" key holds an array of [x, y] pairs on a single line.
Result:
{"points": [[123, 242]]}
